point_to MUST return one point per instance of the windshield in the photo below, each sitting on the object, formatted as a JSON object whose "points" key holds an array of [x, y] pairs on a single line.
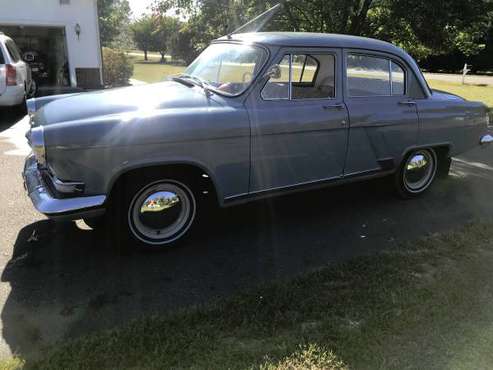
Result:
{"points": [[228, 68]]}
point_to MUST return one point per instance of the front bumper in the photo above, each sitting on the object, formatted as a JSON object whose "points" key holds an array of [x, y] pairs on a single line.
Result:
{"points": [[58, 208]]}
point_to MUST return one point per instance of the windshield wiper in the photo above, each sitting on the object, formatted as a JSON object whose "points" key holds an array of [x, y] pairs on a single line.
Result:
{"points": [[183, 81], [198, 81]]}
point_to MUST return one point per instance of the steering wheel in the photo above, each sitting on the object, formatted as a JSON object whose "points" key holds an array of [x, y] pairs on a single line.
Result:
{"points": [[247, 76]]}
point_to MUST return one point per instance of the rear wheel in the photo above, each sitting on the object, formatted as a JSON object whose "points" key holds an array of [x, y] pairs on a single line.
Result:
{"points": [[417, 173]]}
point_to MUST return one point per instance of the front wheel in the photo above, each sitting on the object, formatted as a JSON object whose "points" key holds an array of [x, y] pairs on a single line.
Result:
{"points": [[161, 213], [155, 213], [417, 173]]}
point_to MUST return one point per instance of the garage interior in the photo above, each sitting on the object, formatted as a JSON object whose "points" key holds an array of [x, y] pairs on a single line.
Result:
{"points": [[44, 49]]}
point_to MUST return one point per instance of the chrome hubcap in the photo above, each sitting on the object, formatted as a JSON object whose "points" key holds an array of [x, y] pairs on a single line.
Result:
{"points": [[161, 213], [419, 170]]}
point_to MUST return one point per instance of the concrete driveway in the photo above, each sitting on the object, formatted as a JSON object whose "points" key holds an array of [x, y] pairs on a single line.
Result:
{"points": [[60, 281]]}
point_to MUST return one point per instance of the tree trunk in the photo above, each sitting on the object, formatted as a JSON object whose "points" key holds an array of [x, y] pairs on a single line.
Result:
{"points": [[359, 19], [163, 59], [145, 55]]}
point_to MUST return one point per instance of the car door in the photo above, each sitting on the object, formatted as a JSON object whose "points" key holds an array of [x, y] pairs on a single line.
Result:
{"points": [[383, 115], [298, 121]]}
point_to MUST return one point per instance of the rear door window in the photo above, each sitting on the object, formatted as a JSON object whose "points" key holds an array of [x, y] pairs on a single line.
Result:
{"points": [[374, 76], [13, 51]]}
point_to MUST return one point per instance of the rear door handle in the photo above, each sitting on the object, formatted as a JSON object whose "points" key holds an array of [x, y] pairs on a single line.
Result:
{"points": [[407, 102], [333, 106]]}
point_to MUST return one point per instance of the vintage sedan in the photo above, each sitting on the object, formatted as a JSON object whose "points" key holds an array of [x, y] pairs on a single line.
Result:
{"points": [[255, 115]]}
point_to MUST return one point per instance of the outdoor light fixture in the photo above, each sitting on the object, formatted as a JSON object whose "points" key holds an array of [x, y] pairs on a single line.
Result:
{"points": [[78, 30]]}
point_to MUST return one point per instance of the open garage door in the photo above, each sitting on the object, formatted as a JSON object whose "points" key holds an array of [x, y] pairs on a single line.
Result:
{"points": [[45, 50]]}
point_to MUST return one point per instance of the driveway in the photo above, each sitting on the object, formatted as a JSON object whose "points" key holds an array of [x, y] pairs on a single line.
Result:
{"points": [[60, 281]]}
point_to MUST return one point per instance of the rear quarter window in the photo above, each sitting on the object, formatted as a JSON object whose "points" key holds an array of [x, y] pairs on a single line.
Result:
{"points": [[2, 59]]}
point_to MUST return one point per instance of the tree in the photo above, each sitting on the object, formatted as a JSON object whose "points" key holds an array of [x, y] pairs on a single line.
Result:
{"points": [[165, 30], [114, 16], [181, 45], [422, 27], [142, 31]]}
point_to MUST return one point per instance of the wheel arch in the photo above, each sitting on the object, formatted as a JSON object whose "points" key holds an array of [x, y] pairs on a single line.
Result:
{"points": [[179, 167], [442, 150]]}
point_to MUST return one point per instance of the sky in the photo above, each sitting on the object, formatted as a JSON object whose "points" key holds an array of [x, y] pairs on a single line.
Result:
{"points": [[140, 6]]}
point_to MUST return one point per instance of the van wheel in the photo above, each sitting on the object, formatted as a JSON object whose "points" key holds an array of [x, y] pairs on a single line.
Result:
{"points": [[417, 173]]}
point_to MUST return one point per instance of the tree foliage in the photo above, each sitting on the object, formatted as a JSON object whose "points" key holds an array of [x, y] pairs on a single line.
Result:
{"points": [[422, 27], [117, 68], [114, 17], [165, 31]]}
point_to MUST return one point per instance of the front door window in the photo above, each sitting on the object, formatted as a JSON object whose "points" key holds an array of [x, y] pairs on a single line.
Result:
{"points": [[303, 76]]}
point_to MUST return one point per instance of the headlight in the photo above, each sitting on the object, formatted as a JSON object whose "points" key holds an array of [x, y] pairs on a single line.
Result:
{"points": [[37, 141]]}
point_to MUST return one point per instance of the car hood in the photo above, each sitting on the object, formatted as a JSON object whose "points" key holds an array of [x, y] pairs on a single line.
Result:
{"points": [[147, 98]]}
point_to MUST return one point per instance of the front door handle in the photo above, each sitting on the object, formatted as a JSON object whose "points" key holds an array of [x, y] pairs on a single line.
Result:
{"points": [[407, 102], [333, 106]]}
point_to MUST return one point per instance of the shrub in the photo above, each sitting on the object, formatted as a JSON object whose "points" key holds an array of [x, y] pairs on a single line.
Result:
{"points": [[118, 68]]}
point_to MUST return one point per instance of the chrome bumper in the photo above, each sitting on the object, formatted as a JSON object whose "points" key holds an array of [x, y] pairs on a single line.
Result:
{"points": [[486, 139], [46, 203]]}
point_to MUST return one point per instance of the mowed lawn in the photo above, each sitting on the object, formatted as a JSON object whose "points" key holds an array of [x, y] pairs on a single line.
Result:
{"points": [[153, 71]]}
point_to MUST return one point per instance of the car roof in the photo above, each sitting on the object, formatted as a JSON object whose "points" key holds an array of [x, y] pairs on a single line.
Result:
{"points": [[308, 39]]}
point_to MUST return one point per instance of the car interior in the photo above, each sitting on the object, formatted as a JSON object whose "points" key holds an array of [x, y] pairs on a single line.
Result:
{"points": [[313, 77]]}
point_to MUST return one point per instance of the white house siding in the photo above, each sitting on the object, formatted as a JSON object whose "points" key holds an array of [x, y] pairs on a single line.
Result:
{"points": [[82, 53]]}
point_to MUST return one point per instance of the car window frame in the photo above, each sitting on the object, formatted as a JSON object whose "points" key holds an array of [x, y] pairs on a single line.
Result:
{"points": [[306, 52], [390, 58]]}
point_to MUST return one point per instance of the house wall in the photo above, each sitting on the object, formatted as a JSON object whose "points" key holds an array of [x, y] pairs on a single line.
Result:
{"points": [[82, 53]]}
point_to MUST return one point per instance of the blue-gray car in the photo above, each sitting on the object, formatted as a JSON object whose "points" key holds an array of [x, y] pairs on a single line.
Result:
{"points": [[254, 116]]}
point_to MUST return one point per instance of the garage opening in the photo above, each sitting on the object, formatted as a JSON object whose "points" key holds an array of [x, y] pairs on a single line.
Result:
{"points": [[45, 50]]}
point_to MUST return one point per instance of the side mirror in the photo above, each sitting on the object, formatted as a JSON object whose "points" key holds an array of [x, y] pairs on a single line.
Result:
{"points": [[273, 72]]}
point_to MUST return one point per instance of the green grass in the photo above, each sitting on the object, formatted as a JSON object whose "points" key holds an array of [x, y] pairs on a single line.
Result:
{"points": [[423, 305], [470, 92], [155, 72]]}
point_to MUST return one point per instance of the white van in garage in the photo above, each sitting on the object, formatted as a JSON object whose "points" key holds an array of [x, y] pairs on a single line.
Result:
{"points": [[15, 75]]}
